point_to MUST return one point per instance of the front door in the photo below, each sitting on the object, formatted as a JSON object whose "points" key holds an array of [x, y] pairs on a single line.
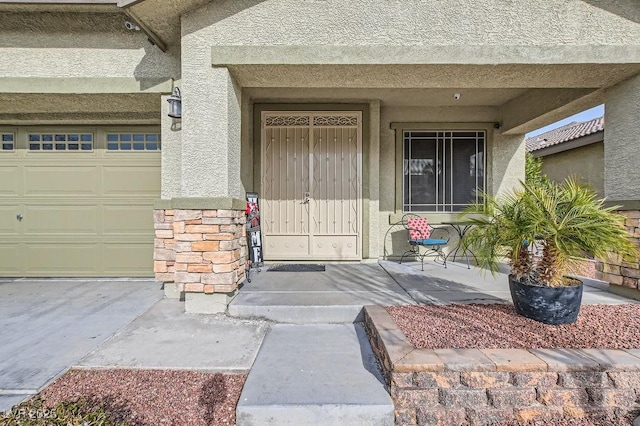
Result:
{"points": [[311, 185]]}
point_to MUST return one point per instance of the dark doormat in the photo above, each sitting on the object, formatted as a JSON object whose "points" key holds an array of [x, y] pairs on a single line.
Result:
{"points": [[296, 267]]}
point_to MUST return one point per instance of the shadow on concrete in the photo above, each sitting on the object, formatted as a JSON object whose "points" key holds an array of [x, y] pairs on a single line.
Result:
{"points": [[369, 360]]}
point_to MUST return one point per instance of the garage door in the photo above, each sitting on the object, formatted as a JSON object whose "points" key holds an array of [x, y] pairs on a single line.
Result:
{"points": [[78, 202]]}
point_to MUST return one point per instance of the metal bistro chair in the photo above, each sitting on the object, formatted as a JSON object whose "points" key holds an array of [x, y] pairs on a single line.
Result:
{"points": [[421, 234]]}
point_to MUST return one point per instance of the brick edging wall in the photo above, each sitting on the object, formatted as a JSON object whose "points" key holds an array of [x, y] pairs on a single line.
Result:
{"points": [[202, 251], [480, 387]]}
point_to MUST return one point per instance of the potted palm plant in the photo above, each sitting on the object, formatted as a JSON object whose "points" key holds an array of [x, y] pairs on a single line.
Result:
{"points": [[567, 221]]}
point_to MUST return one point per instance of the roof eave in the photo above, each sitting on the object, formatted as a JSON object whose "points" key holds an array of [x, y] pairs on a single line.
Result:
{"points": [[568, 145]]}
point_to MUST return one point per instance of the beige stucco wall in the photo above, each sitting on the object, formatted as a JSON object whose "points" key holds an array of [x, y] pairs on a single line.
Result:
{"points": [[442, 23], [586, 163], [622, 144], [80, 68], [79, 108], [84, 52], [171, 160], [211, 126], [506, 157]]}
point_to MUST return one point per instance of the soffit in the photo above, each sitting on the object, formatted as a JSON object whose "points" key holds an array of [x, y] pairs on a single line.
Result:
{"points": [[390, 97], [434, 76], [162, 16]]}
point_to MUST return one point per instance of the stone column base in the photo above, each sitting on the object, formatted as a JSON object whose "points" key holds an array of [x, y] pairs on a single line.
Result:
{"points": [[200, 252]]}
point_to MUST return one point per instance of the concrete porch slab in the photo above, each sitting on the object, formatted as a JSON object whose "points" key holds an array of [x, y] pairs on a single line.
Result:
{"points": [[338, 294], [458, 284], [334, 296]]}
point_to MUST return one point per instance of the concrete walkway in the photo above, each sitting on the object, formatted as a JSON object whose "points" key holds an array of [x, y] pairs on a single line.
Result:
{"points": [[165, 337], [315, 375], [46, 326]]}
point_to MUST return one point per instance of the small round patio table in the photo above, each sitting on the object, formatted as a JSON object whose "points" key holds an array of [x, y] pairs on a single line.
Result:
{"points": [[461, 227]]}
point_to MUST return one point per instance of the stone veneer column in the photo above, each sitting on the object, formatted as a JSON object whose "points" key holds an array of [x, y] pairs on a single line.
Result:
{"points": [[200, 254], [624, 276]]}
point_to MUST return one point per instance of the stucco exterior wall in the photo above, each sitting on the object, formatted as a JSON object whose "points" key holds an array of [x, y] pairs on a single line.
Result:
{"points": [[382, 22], [622, 143], [211, 125], [586, 163], [171, 153], [79, 108], [79, 46], [506, 156]]}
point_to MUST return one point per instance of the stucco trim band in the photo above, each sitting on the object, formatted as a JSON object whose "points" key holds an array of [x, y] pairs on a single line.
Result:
{"points": [[86, 85], [395, 55], [201, 203]]}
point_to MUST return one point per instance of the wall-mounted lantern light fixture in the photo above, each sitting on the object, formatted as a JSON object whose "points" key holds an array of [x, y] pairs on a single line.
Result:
{"points": [[175, 104]]}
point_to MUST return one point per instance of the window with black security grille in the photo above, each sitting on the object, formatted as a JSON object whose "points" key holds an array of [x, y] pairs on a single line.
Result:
{"points": [[443, 169]]}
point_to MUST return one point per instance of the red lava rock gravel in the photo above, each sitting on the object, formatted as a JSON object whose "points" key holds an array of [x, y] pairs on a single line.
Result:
{"points": [[497, 326], [154, 397]]}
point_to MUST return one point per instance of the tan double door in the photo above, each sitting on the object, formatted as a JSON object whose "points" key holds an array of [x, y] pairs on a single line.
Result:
{"points": [[311, 185]]}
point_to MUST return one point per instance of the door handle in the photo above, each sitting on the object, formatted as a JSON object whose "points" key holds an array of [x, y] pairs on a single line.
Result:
{"points": [[306, 198], [19, 217]]}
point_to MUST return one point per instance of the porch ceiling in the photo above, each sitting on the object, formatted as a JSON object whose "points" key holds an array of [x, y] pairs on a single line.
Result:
{"points": [[402, 97], [408, 76]]}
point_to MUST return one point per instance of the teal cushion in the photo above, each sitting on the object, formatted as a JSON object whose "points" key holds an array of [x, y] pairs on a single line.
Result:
{"points": [[431, 242]]}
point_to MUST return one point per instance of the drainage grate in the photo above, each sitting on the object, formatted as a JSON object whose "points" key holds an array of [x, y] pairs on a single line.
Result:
{"points": [[297, 267]]}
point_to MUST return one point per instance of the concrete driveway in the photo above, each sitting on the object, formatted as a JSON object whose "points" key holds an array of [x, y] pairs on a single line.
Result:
{"points": [[47, 326]]}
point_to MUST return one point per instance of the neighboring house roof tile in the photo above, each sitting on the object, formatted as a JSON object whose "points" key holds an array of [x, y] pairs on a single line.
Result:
{"points": [[565, 133]]}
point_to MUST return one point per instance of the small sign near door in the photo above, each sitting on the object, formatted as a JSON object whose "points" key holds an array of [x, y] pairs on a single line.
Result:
{"points": [[254, 233]]}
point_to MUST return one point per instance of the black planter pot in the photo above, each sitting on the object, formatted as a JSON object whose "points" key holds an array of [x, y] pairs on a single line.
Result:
{"points": [[549, 305]]}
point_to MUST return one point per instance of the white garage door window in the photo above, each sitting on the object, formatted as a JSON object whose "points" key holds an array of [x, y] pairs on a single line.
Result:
{"points": [[78, 202]]}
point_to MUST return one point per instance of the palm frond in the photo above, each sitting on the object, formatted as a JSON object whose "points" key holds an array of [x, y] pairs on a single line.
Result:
{"points": [[568, 217]]}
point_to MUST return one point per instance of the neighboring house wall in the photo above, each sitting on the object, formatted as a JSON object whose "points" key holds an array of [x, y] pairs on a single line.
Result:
{"points": [[586, 163]]}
